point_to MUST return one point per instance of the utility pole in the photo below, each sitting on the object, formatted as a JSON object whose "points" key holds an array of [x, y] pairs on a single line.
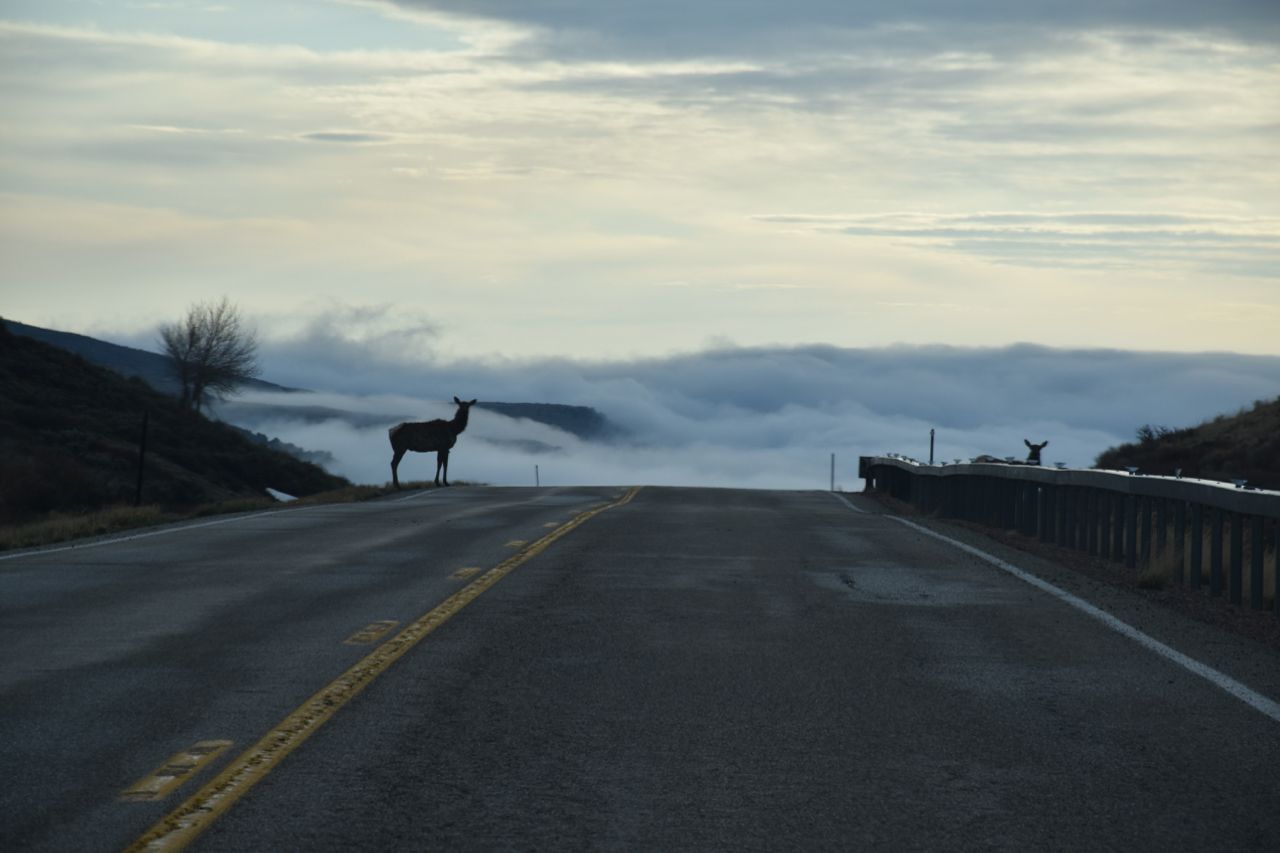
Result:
{"points": [[142, 455]]}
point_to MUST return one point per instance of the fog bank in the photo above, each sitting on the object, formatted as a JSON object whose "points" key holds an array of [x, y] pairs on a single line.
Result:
{"points": [[758, 417]]}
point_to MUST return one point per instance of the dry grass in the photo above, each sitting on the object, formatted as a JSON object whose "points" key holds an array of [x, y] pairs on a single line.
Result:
{"points": [[1161, 572], [60, 527], [63, 527], [1166, 568]]}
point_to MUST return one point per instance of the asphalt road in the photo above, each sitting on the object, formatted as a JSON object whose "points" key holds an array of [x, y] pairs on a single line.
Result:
{"points": [[682, 670]]}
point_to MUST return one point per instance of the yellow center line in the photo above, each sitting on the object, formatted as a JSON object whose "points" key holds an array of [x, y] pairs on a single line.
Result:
{"points": [[370, 633], [180, 827], [157, 784]]}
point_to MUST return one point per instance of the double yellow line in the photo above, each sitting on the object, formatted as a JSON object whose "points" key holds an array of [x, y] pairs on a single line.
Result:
{"points": [[181, 826]]}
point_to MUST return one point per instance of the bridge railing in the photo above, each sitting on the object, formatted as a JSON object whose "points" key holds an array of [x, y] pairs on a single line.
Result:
{"points": [[1195, 532]]}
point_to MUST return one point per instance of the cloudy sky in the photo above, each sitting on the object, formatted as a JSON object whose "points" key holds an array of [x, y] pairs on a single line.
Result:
{"points": [[803, 212], [612, 179]]}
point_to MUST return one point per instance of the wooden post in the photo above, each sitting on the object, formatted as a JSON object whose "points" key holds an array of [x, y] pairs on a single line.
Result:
{"points": [[1144, 546], [1162, 525], [1215, 553], [1197, 546], [1130, 531], [142, 457], [1255, 565], [1235, 587], [1117, 539], [1091, 522], [1104, 532], [1180, 537]]}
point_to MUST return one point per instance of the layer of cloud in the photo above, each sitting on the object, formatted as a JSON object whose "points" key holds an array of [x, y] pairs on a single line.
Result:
{"points": [[767, 417], [733, 27]]}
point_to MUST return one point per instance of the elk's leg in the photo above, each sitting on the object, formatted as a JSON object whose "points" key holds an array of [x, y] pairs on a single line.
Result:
{"points": [[442, 462], [395, 463]]}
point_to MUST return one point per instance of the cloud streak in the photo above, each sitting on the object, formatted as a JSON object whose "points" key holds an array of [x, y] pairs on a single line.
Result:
{"points": [[1088, 239]]}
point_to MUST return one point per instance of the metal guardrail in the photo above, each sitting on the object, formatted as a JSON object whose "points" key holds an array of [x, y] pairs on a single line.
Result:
{"points": [[1183, 526]]}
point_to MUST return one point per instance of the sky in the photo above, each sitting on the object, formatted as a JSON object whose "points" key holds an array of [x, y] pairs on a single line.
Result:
{"points": [[611, 179], [585, 198]]}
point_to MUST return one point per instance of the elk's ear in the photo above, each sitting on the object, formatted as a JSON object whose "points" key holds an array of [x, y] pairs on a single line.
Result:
{"points": [[456, 400], [473, 402], [1026, 442]]}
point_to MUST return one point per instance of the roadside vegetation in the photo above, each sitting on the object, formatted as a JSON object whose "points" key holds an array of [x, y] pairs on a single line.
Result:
{"points": [[71, 437], [1243, 446], [58, 527]]}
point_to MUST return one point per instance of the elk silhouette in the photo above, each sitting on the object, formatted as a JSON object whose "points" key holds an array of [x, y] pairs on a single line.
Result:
{"points": [[1033, 457], [426, 437]]}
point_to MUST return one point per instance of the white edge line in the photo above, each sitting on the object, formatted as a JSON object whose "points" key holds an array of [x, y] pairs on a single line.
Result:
{"points": [[847, 502], [1256, 700], [115, 540]]}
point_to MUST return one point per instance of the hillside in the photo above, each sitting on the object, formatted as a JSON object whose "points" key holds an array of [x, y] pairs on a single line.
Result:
{"points": [[1244, 446], [69, 434], [151, 367], [584, 422]]}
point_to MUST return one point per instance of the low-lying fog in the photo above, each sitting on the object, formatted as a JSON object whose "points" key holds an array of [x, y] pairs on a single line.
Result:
{"points": [[748, 417]]}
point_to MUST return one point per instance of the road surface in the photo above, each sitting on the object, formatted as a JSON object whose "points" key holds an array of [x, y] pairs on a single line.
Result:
{"points": [[599, 668]]}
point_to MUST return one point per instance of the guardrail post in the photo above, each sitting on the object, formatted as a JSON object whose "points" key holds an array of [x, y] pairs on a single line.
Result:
{"points": [[1147, 509], [1117, 528], [1130, 531], [1044, 517], [1235, 588], [1180, 537], [1070, 496], [1104, 527], [1091, 521], [1215, 553], [1035, 500], [1255, 566], [1197, 546], [1162, 526]]}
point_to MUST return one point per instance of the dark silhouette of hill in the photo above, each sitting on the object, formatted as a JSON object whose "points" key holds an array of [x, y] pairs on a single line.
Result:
{"points": [[151, 367], [69, 433], [1243, 446], [584, 422]]}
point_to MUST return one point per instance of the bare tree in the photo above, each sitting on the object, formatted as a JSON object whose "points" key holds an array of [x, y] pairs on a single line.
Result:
{"points": [[210, 351]]}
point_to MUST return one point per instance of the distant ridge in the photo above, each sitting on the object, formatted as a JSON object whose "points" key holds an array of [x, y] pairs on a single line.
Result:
{"points": [[582, 421], [150, 367]]}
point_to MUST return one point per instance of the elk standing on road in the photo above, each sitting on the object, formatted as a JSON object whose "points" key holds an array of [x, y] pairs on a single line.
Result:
{"points": [[429, 436]]}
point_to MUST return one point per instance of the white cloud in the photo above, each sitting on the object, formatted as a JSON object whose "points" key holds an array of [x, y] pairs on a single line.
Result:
{"points": [[765, 417]]}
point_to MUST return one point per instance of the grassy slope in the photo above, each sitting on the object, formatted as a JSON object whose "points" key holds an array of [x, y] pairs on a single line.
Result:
{"points": [[1230, 447], [69, 441]]}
